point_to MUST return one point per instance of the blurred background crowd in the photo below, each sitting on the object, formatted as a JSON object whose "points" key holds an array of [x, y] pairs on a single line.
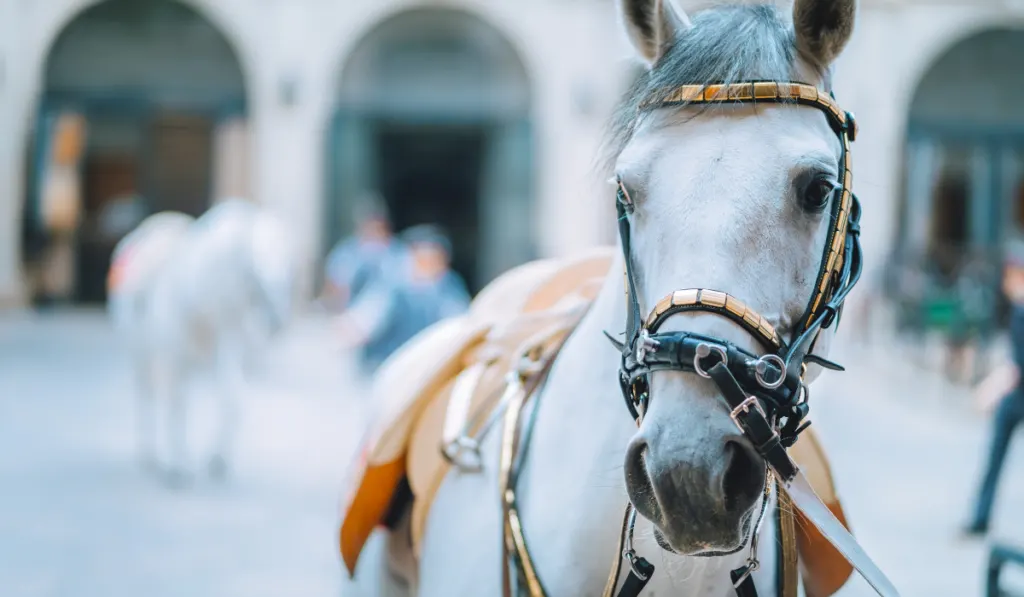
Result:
{"points": [[415, 150]]}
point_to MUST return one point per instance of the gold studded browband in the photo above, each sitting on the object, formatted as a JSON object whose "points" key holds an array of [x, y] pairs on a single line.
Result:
{"points": [[751, 93]]}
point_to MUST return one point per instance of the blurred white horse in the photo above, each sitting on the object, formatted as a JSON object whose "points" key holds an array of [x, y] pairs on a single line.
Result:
{"points": [[199, 294]]}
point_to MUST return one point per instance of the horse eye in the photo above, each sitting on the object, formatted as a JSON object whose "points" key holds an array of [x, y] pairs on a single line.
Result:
{"points": [[816, 194]]}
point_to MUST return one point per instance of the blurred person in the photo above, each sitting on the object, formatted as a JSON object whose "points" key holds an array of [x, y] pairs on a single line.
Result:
{"points": [[356, 262], [419, 291], [1009, 409], [61, 211], [120, 215], [967, 331]]}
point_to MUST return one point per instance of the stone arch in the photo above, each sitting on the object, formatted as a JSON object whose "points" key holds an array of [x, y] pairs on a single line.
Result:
{"points": [[153, 94], [963, 173], [433, 113]]}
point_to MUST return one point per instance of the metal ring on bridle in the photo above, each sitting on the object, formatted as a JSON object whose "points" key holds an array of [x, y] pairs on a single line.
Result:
{"points": [[761, 367], [628, 552], [704, 350]]}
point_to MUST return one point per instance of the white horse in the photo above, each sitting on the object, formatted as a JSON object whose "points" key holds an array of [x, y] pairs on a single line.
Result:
{"points": [[193, 295], [726, 197]]}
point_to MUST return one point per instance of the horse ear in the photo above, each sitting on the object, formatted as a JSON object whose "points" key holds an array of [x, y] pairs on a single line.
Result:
{"points": [[653, 25], [822, 28]]}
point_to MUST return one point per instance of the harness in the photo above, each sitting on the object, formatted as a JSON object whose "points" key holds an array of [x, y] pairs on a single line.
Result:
{"points": [[765, 392]]}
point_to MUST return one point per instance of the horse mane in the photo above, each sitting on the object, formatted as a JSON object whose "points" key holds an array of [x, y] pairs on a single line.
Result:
{"points": [[726, 44]]}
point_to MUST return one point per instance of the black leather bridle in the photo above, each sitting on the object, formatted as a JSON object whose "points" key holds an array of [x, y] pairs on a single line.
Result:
{"points": [[766, 393]]}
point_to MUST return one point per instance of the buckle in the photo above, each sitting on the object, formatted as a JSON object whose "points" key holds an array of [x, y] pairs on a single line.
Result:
{"points": [[457, 450], [744, 409]]}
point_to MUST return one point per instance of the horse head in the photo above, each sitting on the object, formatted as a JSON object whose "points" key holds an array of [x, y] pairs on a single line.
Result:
{"points": [[729, 206]]}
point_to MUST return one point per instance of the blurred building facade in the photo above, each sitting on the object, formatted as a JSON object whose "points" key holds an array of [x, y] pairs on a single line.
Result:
{"points": [[482, 115]]}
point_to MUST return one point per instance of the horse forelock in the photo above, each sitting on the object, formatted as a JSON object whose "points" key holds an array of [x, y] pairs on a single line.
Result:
{"points": [[725, 44]]}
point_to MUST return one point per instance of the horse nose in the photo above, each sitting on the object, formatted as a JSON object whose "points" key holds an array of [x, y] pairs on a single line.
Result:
{"points": [[667, 485]]}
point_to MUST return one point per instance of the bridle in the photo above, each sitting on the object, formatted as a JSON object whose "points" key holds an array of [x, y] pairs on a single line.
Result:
{"points": [[766, 393], [773, 381]]}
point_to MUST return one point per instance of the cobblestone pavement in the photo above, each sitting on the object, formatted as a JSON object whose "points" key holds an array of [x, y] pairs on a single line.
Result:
{"points": [[78, 517]]}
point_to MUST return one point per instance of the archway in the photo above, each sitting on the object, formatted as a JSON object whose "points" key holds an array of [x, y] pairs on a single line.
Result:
{"points": [[433, 116], [964, 170], [142, 110]]}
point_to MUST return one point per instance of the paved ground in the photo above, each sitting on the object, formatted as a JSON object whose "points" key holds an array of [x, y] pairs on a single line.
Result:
{"points": [[907, 450], [79, 519]]}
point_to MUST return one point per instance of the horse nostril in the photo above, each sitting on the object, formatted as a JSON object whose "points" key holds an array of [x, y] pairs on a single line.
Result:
{"points": [[744, 477], [636, 461], [638, 479]]}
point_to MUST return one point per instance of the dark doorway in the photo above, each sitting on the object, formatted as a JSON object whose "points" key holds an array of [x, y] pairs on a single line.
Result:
{"points": [[181, 161], [950, 225], [108, 175], [431, 174], [163, 160], [152, 80]]}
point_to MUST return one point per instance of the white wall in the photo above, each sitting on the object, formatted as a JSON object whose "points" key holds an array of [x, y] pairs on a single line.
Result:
{"points": [[894, 45], [576, 58], [302, 43]]}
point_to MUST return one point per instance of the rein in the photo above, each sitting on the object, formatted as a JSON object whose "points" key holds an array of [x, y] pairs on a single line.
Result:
{"points": [[766, 393]]}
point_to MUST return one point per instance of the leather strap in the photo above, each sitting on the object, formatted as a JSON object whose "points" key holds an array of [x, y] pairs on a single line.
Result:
{"points": [[613, 574], [750, 417], [640, 570], [516, 554], [788, 568], [634, 318], [634, 584], [743, 582]]}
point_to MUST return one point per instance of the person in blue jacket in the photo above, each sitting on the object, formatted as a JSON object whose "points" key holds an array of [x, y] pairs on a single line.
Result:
{"points": [[413, 295], [356, 262]]}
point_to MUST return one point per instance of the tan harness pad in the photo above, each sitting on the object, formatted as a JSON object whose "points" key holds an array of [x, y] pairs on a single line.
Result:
{"points": [[417, 370], [412, 387]]}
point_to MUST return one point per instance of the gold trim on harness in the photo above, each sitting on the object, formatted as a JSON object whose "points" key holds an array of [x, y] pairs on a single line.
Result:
{"points": [[781, 92], [716, 301], [773, 91]]}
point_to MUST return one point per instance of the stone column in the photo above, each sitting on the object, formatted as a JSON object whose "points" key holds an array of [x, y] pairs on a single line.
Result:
{"points": [[231, 166], [981, 228], [922, 168]]}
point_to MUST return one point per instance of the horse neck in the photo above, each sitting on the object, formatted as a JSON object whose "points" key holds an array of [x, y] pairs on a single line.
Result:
{"points": [[589, 362]]}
